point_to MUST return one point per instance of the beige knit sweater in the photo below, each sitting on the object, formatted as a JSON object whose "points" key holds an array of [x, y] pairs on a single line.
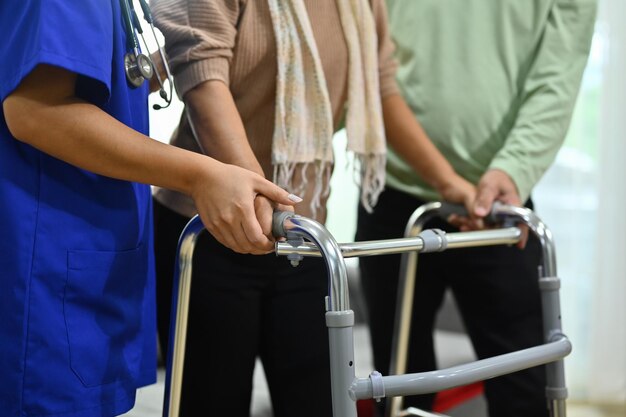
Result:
{"points": [[233, 41]]}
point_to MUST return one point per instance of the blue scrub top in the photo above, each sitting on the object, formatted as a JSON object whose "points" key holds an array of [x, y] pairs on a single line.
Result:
{"points": [[77, 332]]}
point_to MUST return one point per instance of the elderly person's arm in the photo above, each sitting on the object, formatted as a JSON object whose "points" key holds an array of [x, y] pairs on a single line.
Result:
{"points": [[404, 132]]}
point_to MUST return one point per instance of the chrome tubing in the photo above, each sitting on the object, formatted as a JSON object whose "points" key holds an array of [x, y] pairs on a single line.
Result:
{"points": [[509, 235], [404, 302], [539, 229], [310, 229], [179, 316], [339, 319]]}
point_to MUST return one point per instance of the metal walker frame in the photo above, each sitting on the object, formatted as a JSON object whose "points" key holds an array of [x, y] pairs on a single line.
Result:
{"points": [[346, 388], [549, 284]]}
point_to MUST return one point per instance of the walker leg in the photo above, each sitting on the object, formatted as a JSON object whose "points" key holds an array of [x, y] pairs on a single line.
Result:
{"points": [[556, 390], [340, 325]]}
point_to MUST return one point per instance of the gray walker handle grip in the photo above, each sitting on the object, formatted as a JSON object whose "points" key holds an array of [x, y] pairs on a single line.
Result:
{"points": [[495, 215], [448, 209], [278, 222]]}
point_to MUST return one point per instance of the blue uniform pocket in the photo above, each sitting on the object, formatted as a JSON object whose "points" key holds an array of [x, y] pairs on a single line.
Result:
{"points": [[103, 313]]}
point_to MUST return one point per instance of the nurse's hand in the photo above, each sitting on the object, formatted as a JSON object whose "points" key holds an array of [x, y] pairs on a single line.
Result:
{"points": [[225, 199]]}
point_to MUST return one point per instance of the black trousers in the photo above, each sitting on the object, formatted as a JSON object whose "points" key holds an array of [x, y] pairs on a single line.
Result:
{"points": [[496, 290], [243, 307]]}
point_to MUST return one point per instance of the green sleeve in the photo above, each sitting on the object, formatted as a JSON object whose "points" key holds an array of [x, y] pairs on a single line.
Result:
{"points": [[548, 94]]}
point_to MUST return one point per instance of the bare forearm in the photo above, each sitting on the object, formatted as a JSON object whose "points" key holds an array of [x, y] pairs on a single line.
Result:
{"points": [[82, 135], [406, 136], [218, 126]]}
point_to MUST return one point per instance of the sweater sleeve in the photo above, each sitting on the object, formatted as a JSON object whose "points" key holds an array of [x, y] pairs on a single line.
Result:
{"points": [[199, 38], [548, 94], [387, 64]]}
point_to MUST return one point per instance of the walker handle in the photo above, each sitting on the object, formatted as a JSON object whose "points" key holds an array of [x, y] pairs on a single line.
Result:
{"points": [[278, 222], [448, 209]]}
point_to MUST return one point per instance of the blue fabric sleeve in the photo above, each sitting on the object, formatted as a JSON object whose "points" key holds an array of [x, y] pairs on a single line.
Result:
{"points": [[75, 35]]}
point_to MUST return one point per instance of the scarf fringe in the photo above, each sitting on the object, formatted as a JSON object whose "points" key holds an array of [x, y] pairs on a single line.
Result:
{"points": [[372, 174], [285, 178], [368, 170]]}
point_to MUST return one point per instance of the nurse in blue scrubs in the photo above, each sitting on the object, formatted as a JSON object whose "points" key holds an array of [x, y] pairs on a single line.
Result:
{"points": [[77, 321]]}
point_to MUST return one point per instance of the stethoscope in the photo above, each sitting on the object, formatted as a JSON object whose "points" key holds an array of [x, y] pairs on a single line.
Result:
{"points": [[138, 66]]}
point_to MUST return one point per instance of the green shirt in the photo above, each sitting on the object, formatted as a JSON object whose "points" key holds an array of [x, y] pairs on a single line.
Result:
{"points": [[493, 82]]}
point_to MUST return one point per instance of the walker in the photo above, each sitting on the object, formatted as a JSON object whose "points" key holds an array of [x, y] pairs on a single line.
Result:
{"points": [[346, 389]]}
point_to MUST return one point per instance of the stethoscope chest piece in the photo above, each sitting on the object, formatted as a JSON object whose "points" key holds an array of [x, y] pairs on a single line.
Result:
{"points": [[138, 68]]}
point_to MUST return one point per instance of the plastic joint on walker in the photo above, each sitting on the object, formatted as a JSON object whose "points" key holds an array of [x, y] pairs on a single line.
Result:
{"points": [[295, 241], [378, 386], [434, 240]]}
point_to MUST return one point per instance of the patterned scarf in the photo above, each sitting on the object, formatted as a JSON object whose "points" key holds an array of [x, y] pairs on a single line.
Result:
{"points": [[304, 122]]}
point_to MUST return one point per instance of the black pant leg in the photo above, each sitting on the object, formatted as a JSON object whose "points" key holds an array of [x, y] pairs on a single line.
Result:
{"points": [[497, 292], [224, 321], [379, 279], [294, 341]]}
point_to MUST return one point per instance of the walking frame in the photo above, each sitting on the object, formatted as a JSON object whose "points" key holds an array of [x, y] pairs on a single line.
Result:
{"points": [[346, 389]]}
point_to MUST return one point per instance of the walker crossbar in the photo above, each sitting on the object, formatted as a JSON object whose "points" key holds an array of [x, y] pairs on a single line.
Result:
{"points": [[506, 236], [433, 381]]}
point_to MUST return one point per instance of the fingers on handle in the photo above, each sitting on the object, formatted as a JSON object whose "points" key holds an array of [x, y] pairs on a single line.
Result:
{"points": [[253, 233], [226, 239], [275, 193], [241, 234], [485, 197]]}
